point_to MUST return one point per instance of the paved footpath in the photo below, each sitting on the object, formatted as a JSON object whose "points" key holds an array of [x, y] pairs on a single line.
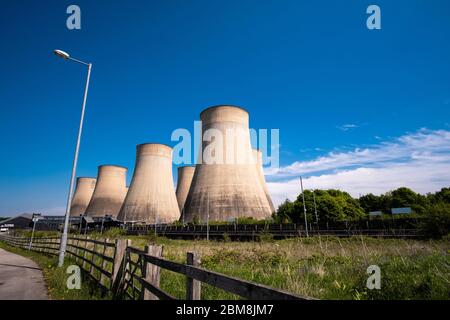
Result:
{"points": [[20, 278]]}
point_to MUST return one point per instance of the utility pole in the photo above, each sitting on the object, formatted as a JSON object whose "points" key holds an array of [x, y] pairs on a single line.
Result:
{"points": [[35, 217], [315, 207], [103, 221], [207, 218], [81, 222], [304, 207]]}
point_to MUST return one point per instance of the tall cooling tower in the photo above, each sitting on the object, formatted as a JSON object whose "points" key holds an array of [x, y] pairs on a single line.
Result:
{"points": [[83, 194], [259, 166], [226, 189], [185, 175], [151, 197], [109, 192]]}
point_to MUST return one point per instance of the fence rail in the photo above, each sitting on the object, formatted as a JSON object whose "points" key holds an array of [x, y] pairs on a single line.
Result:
{"points": [[131, 273], [253, 231]]}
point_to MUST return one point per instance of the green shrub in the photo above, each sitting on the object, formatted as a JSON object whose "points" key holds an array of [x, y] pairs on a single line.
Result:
{"points": [[436, 222]]}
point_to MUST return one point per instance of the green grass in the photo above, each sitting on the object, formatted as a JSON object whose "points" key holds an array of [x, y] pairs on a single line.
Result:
{"points": [[56, 278], [325, 268], [319, 267]]}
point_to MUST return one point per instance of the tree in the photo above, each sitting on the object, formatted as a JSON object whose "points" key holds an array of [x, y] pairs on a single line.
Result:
{"points": [[370, 202], [436, 222], [440, 196], [284, 212], [332, 205]]}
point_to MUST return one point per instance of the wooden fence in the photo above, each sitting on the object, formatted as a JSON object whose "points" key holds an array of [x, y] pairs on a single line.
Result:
{"points": [[132, 273]]}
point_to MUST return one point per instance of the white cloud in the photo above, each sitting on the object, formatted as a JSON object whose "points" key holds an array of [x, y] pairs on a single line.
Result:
{"points": [[347, 127], [419, 160]]}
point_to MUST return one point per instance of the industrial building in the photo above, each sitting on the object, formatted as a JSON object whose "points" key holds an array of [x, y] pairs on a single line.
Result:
{"points": [[226, 183], [82, 196], [109, 193], [185, 175], [151, 197]]}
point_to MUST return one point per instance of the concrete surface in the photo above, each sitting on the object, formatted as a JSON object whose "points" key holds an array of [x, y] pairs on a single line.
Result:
{"points": [[151, 197], [185, 175], [82, 196], [20, 278], [109, 193], [226, 182]]}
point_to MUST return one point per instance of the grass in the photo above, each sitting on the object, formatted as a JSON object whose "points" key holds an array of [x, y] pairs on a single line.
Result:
{"points": [[325, 268], [319, 267], [56, 278]]}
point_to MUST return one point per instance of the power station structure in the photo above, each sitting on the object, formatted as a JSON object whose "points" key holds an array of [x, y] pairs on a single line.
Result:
{"points": [[151, 196], [185, 175], [109, 192], [226, 182], [82, 195], [259, 166]]}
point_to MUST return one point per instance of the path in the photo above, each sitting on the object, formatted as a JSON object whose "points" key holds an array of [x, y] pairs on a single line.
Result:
{"points": [[20, 278]]}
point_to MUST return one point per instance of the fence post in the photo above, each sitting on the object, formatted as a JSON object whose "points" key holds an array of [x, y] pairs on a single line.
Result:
{"points": [[193, 287], [93, 255], [85, 252], [103, 263], [151, 272], [119, 263]]}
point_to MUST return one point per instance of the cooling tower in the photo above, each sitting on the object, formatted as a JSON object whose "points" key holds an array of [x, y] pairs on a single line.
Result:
{"points": [[185, 175], [226, 181], [259, 166], [83, 193], [151, 197], [109, 192]]}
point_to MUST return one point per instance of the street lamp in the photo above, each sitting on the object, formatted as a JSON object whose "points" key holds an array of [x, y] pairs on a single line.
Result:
{"points": [[63, 245]]}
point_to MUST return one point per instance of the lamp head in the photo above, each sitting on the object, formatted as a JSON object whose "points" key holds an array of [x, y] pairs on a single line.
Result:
{"points": [[61, 54]]}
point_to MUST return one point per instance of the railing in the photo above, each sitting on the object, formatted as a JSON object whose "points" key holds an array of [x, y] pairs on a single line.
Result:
{"points": [[131, 273], [276, 230]]}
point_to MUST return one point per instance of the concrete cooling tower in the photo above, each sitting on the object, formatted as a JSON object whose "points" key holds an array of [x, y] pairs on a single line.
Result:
{"points": [[151, 197], [185, 175], [109, 192], [226, 181], [83, 194], [259, 166]]}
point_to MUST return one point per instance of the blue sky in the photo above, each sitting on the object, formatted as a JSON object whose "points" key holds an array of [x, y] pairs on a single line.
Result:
{"points": [[335, 89]]}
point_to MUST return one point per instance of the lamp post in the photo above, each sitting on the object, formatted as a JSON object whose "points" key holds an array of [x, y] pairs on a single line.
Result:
{"points": [[63, 245]]}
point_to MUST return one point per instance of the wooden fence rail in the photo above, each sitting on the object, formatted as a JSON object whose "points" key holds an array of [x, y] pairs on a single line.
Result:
{"points": [[132, 273]]}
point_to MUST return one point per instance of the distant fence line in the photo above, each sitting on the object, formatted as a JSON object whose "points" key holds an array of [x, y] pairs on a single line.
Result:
{"points": [[376, 227], [132, 273], [251, 231]]}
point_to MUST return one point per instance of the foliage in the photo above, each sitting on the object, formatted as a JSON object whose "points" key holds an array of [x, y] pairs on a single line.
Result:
{"points": [[436, 223], [110, 233], [331, 205], [324, 268], [336, 205]]}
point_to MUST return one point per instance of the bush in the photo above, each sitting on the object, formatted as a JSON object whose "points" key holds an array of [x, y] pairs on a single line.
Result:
{"points": [[436, 222]]}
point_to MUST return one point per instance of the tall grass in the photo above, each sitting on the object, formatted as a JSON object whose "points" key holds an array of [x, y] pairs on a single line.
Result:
{"points": [[320, 267]]}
